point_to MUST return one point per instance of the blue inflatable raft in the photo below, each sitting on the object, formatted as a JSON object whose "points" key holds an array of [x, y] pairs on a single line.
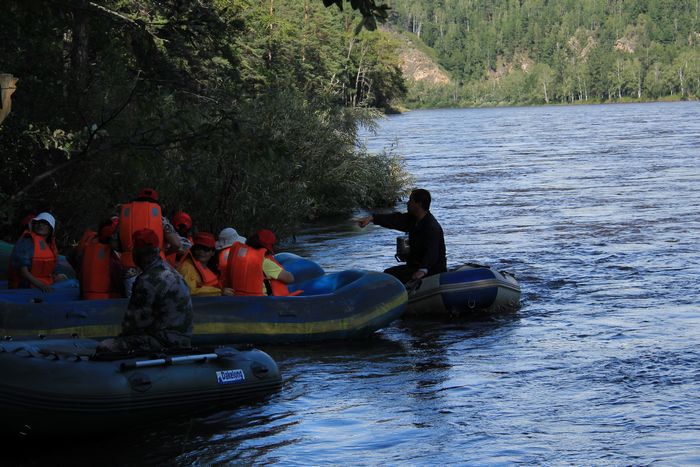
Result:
{"points": [[465, 291], [342, 305]]}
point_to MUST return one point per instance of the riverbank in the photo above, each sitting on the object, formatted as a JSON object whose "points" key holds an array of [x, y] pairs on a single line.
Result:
{"points": [[406, 107]]}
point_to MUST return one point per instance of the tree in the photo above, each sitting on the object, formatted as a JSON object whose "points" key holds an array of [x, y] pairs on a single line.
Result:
{"points": [[133, 93]]}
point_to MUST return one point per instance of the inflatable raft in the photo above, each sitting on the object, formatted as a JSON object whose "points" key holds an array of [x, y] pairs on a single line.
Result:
{"points": [[340, 305], [58, 388], [464, 291]]}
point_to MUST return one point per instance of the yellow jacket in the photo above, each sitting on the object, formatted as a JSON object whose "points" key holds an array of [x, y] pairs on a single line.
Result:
{"points": [[192, 278]]}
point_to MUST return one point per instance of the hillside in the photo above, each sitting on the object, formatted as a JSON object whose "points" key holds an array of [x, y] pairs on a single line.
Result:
{"points": [[418, 66], [559, 51]]}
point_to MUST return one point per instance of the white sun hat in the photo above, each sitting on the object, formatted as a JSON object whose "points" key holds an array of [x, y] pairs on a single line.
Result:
{"points": [[45, 216], [227, 237]]}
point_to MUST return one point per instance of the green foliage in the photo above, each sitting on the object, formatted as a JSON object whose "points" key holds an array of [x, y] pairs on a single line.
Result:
{"points": [[236, 111], [594, 50]]}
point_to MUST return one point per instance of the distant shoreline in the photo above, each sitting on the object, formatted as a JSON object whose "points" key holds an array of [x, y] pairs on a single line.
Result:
{"points": [[403, 108]]}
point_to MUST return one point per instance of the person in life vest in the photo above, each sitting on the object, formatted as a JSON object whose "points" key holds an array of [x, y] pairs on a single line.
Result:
{"points": [[253, 270], [227, 237], [142, 213], [101, 268], [75, 256], [182, 223], [34, 257], [202, 280]]}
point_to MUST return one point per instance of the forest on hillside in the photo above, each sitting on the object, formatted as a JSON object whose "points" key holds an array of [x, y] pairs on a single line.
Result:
{"points": [[556, 51], [242, 113]]}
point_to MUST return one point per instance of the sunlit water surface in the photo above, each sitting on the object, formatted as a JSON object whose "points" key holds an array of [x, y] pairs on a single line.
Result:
{"points": [[596, 209]]}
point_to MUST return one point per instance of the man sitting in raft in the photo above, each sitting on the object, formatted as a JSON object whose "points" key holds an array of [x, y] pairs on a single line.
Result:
{"points": [[159, 314], [34, 257], [253, 270], [427, 255], [202, 280]]}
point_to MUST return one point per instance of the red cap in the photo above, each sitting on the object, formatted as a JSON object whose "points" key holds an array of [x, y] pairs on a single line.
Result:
{"points": [[182, 218], [148, 193], [205, 239], [145, 238], [267, 238]]}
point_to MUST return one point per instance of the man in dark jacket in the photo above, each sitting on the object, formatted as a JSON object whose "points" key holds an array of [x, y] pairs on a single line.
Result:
{"points": [[427, 254]]}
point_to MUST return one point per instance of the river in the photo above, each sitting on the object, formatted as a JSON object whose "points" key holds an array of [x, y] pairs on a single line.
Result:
{"points": [[596, 209]]}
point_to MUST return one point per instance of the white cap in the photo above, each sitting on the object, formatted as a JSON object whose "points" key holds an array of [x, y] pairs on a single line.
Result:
{"points": [[227, 237], [45, 216]]}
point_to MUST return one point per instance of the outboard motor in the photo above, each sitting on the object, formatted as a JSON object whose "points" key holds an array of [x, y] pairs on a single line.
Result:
{"points": [[402, 248]]}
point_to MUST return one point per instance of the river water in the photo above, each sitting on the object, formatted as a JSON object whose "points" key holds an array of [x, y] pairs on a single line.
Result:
{"points": [[596, 209]]}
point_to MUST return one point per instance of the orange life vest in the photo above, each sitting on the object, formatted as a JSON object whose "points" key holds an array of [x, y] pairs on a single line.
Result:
{"points": [[95, 279], [88, 236], [135, 216], [223, 261], [43, 261], [245, 272], [207, 277], [277, 287]]}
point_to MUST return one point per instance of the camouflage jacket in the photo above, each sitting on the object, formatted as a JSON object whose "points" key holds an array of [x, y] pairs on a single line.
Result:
{"points": [[160, 307]]}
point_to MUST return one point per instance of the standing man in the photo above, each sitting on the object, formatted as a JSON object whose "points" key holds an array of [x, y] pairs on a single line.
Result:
{"points": [[159, 314], [427, 254]]}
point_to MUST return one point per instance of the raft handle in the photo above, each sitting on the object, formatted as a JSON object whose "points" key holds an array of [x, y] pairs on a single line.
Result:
{"points": [[167, 361], [260, 371]]}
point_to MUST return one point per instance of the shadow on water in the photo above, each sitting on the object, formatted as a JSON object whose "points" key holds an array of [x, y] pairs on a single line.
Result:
{"points": [[158, 443]]}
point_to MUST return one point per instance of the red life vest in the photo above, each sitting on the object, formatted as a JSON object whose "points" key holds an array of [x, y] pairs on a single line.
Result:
{"points": [[223, 261], [207, 277], [135, 216], [43, 261], [88, 236], [96, 280], [245, 272]]}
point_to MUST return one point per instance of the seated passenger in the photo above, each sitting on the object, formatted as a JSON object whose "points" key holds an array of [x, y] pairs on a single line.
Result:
{"points": [[143, 212], [101, 269], [34, 257], [253, 270], [159, 314], [202, 280], [75, 256], [182, 223], [227, 238]]}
